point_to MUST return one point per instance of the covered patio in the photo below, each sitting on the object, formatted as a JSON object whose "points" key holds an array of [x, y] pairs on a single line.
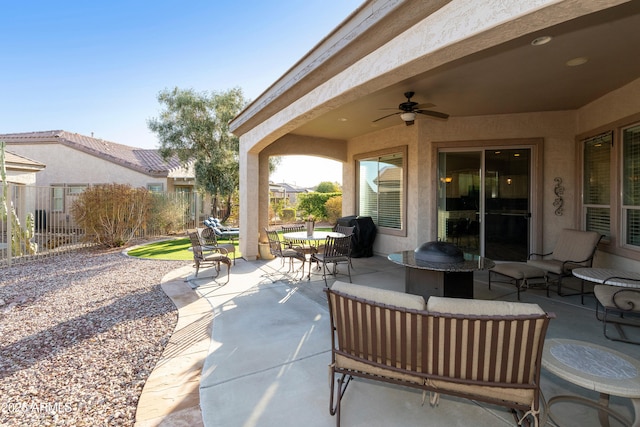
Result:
{"points": [[270, 341], [446, 95]]}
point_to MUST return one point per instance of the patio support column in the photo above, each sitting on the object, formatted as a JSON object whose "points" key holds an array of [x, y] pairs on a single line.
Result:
{"points": [[249, 202], [262, 211]]}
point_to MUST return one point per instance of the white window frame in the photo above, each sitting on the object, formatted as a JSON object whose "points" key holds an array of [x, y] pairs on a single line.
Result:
{"points": [[616, 242]]}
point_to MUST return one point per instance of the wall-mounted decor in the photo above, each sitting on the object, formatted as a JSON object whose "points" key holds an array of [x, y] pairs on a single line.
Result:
{"points": [[558, 191]]}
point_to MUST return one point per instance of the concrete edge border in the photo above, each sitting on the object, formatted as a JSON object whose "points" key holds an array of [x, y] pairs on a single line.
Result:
{"points": [[171, 394]]}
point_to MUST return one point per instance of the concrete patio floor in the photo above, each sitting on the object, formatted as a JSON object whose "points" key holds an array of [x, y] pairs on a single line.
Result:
{"points": [[263, 362]]}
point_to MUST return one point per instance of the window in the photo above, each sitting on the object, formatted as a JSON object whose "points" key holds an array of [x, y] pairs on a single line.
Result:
{"points": [[57, 199], [611, 188], [597, 184], [381, 189], [74, 190], [631, 186], [155, 188]]}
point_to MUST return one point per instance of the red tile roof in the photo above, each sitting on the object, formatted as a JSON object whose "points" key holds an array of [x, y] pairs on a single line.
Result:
{"points": [[142, 160]]}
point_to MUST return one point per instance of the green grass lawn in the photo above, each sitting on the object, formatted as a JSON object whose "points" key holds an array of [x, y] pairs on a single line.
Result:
{"points": [[179, 249], [173, 250]]}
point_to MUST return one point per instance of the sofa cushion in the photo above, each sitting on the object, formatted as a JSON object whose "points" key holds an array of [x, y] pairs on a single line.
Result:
{"points": [[380, 296], [481, 307]]}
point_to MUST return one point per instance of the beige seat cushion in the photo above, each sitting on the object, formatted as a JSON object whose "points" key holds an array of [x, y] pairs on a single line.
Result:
{"points": [[381, 296], [572, 245], [518, 270], [481, 307], [627, 299]]}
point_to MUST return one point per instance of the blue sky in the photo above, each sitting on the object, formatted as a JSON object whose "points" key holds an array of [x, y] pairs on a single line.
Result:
{"points": [[97, 66]]}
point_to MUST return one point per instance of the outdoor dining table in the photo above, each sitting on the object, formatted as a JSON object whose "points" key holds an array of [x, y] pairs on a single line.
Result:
{"points": [[315, 237], [608, 276]]}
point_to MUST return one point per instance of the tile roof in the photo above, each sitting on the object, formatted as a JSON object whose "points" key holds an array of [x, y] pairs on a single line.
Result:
{"points": [[142, 160], [291, 188], [15, 161]]}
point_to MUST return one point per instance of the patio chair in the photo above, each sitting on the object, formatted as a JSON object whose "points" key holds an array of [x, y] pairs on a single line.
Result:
{"points": [[224, 234], [336, 250], [279, 250], [214, 258], [299, 244], [347, 231], [209, 240], [574, 249], [620, 306]]}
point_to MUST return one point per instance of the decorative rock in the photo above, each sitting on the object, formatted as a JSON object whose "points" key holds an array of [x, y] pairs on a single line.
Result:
{"points": [[80, 335]]}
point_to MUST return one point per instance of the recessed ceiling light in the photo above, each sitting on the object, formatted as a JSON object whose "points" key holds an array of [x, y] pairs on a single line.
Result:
{"points": [[342, 119], [576, 61], [541, 40]]}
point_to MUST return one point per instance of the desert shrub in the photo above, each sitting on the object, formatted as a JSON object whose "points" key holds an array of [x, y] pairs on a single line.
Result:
{"points": [[167, 212], [112, 213], [333, 208], [288, 215]]}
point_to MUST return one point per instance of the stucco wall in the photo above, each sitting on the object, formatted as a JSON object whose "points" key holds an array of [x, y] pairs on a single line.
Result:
{"points": [[557, 129], [20, 177], [66, 165], [618, 108]]}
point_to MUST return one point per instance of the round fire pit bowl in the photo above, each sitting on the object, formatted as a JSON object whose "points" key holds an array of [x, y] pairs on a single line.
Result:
{"points": [[439, 252]]}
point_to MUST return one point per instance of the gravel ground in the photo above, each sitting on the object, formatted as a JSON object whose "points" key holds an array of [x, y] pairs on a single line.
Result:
{"points": [[79, 336]]}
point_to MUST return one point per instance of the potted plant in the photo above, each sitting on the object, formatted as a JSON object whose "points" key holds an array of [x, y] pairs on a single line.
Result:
{"points": [[310, 224]]}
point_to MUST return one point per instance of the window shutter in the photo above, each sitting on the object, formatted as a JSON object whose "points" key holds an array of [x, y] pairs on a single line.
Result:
{"points": [[597, 183], [390, 187], [631, 184]]}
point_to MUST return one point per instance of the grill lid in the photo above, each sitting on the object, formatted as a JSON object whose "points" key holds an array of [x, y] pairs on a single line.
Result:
{"points": [[439, 252]]}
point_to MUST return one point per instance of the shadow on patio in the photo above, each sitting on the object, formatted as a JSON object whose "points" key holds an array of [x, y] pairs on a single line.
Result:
{"points": [[270, 347]]}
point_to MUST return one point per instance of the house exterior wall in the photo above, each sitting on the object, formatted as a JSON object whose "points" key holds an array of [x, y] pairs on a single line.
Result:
{"points": [[618, 108], [557, 129], [21, 177], [66, 165], [458, 29]]}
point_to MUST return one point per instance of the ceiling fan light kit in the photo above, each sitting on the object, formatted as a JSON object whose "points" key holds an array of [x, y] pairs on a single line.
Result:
{"points": [[408, 117], [409, 110]]}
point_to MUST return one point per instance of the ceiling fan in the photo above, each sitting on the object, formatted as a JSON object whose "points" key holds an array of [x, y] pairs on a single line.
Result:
{"points": [[409, 109]]}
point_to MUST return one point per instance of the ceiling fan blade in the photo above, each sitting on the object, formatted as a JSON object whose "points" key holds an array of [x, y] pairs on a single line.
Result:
{"points": [[388, 115], [433, 114]]}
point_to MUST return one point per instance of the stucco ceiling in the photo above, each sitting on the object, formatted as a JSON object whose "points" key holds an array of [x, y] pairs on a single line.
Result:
{"points": [[514, 77]]}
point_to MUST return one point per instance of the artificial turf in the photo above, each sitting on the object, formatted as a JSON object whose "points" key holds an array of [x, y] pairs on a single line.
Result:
{"points": [[172, 250]]}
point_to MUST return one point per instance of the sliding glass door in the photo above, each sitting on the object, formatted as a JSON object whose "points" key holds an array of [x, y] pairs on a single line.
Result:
{"points": [[484, 201]]}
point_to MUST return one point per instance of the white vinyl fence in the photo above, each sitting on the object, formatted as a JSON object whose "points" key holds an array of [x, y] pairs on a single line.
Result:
{"points": [[40, 223]]}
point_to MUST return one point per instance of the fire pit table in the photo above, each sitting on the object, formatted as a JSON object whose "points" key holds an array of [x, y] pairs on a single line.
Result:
{"points": [[440, 269]]}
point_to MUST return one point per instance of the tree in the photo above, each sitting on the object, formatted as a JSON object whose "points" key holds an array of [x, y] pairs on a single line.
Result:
{"points": [[328, 187], [195, 127]]}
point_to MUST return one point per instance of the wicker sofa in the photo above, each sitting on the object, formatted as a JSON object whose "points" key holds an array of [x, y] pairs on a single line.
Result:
{"points": [[488, 351]]}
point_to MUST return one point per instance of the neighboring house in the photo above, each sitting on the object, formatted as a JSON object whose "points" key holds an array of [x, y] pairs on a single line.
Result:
{"points": [[76, 161], [543, 132], [21, 172], [286, 191]]}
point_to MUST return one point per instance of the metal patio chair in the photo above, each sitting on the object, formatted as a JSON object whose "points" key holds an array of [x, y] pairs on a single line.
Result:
{"points": [[214, 258], [336, 250], [279, 250]]}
